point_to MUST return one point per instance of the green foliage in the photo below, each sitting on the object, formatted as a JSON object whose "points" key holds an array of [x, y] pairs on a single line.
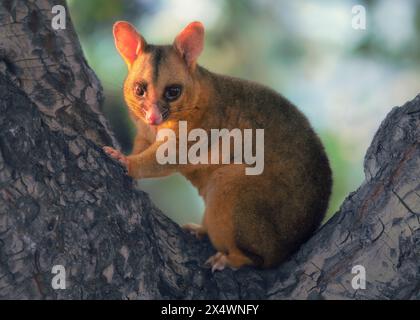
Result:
{"points": [[344, 180]]}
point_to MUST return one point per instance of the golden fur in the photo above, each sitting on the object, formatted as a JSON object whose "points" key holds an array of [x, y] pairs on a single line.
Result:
{"points": [[250, 220]]}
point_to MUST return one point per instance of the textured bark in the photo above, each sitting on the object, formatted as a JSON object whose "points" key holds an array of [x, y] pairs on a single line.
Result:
{"points": [[62, 201]]}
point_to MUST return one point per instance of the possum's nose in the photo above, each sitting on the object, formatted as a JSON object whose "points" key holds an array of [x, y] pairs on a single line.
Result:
{"points": [[154, 116]]}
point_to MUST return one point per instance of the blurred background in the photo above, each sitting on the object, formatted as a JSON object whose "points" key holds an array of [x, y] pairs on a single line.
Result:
{"points": [[344, 80]]}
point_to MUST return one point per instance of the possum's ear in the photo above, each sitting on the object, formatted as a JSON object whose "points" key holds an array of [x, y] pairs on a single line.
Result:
{"points": [[190, 43], [128, 41]]}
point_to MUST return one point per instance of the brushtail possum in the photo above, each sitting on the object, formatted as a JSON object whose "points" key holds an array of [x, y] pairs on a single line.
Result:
{"points": [[251, 220]]}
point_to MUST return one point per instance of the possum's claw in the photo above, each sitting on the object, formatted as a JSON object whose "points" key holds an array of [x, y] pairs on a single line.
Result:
{"points": [[117, 155], [218, 262]]}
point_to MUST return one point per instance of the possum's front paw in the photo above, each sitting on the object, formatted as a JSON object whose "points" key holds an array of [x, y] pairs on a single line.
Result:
{"points": [[117, 155]]}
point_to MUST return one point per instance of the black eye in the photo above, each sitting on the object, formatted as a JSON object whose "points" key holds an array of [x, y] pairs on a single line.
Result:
{"points": [[172, 93], [140, 89]]}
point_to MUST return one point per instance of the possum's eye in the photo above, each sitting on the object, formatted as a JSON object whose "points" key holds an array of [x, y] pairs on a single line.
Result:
{"points": [[172, 92], [140, 89]]}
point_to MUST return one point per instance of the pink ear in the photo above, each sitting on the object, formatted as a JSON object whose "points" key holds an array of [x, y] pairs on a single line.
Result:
{"points": [[128, 41], [190, 43]]}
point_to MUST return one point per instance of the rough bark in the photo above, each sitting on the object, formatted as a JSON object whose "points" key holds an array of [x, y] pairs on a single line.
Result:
{"points": [[62, 201]]}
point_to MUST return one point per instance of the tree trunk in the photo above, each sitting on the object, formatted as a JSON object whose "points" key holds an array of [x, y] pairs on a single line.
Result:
{"points": [[64, 202]]}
